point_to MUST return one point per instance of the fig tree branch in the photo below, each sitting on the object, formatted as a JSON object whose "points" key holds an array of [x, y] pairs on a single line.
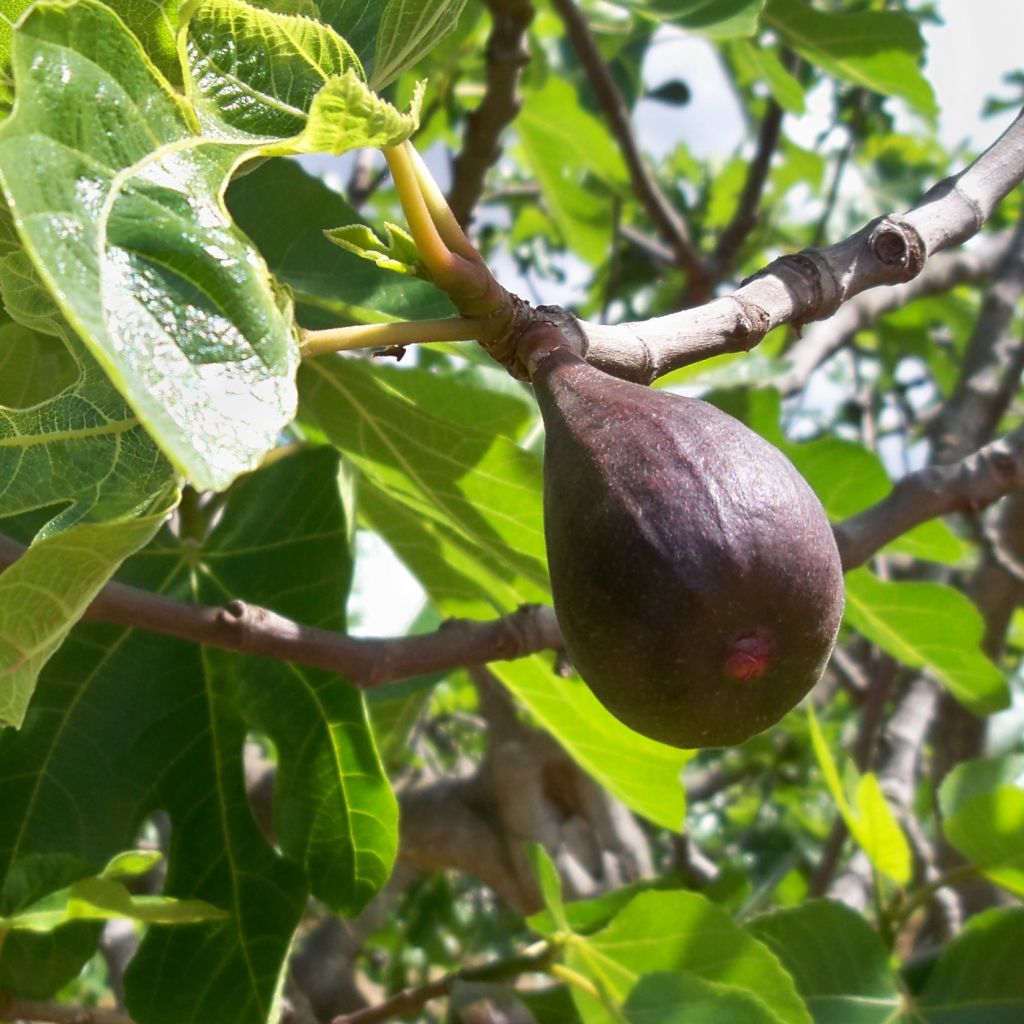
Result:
{"points": [[363, 661], [945, 271], [964, 486], [506, 55], [815, 283], [991, 368], [666, 219]]}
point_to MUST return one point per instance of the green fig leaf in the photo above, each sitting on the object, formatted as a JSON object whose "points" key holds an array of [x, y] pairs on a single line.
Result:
{"points": [[877, 50], [281, 541], [840, 965], [398, 253], [928, 625], [983, 817], [679, 931]]}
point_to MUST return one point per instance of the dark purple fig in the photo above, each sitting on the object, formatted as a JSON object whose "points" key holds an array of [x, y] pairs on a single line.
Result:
{"points": [[695, 576]]}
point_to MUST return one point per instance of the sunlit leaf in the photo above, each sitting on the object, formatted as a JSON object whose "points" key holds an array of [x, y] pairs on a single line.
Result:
{"points": [[928, 625], [983, 816]]}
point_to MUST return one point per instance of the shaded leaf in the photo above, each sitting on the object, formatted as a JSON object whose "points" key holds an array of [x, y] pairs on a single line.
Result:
{"points": [[391, 35], [839, 963], [674, 997], [978, 979], [324, 278]]}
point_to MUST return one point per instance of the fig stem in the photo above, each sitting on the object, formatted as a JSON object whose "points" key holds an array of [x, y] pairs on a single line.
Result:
{"points": [[444, 219], [402, 332], [433, 250], [452, 261]]}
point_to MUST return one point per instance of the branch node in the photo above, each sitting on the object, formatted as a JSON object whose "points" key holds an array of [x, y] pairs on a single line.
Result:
{"points": [[233, 611], [752, 324], [897, 244]]}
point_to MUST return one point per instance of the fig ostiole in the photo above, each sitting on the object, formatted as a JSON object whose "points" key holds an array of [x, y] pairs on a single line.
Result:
{"points": [[695, 576]]}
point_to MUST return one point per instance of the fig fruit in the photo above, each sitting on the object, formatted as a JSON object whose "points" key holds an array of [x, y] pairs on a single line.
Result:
{"points": [[695, 576]]}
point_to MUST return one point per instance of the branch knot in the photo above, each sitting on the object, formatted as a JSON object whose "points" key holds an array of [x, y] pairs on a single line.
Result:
{"points": [[897, 244]]}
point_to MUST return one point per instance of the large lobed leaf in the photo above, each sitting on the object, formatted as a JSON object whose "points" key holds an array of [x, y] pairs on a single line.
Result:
{"points": [[119, 205], [129, 723]]}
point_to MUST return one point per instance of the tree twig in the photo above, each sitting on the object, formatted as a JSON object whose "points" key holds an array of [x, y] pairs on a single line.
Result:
{"points": [[745, 217], [13, 1008], [965, 486], [992, 364], [665, 217], [812, 284], [363, 661], [481, 141], [409, 1000]]}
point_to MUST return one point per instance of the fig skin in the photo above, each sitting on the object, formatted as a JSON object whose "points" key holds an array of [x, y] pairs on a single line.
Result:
{"points": [[695, 576]]}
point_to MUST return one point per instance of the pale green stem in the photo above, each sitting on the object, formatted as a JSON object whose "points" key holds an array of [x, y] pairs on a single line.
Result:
{"points": [[433, 251], [403, 332], [448, 227]]}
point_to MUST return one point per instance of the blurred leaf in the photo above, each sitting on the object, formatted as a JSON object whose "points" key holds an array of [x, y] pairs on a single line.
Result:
{"points": [[982, 804], [867, 815], [674, 997], [680, 931], [172, 739], [839, 963], [546, 874], [878, 50], [978, 979], [561, 151], [757, 62], [928, 625], [720, 19], [103, 899]]}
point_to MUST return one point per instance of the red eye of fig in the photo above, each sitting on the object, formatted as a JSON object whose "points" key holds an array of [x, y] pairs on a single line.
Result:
{"points": [[748, 656]]}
